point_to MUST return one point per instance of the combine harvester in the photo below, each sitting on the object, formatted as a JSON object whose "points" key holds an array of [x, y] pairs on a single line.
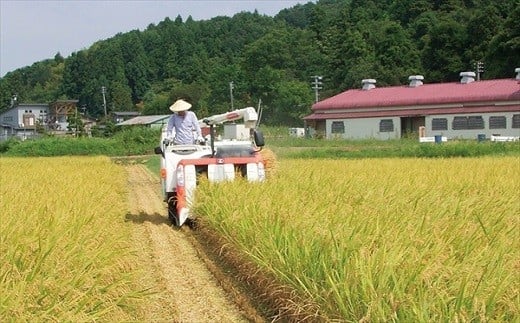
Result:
{"points": [[237, 153]]}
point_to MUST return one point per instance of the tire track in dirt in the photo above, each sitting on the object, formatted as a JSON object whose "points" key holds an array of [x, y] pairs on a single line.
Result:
{"points": [[187, 290]]}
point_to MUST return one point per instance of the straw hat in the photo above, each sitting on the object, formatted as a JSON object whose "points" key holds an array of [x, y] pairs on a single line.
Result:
{"points": [[180, 105]]}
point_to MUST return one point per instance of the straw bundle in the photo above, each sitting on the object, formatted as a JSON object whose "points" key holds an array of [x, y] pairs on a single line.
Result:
{"points": [[270, 162]]}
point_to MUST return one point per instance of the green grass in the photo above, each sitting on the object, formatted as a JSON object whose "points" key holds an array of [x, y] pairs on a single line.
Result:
{"points": [[154, 164], [395, 148], [279, 141], [132, 141], [141, 141]]}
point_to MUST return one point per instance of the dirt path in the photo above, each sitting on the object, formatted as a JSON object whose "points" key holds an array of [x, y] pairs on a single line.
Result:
{"points": [[188, 292]]}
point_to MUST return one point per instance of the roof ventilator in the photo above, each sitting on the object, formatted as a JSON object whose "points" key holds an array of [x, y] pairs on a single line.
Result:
{"points": [[467, 77], [517, 71], [416, 80], [368, 84]]}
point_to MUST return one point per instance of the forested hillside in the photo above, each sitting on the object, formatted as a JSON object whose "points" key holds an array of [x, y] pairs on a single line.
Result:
{"points": [[274, 58]]}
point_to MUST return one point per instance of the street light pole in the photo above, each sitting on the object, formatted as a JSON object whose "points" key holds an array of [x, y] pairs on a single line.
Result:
{"points": [[316, 85]]}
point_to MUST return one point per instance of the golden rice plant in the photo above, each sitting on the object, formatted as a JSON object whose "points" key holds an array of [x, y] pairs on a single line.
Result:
{"points": [[412, 240], [65, 254]]}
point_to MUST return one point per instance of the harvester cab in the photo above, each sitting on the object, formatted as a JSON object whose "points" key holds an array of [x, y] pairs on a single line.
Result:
{"points": [[223, 157]]}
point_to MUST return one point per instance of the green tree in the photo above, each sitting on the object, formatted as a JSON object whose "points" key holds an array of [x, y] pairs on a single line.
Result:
{"points": [[442, 53], [502, 53], [76, 125], [396, 55], [195, 93], [120, 96], [298, 16], [293, 100], [352, 60], [155, 50], [420, 29], [156, 104], [58, 58], [220, 76], [407, 11], [448, 5], [343, 40], [271, 50], [76, 75], [136, 65]]}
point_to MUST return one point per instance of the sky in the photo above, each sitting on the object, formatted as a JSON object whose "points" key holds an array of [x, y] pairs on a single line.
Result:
{"points": [[32, 31]]}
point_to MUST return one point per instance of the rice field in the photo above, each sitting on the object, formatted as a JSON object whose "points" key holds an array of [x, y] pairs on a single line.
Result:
{"points": [[367, 240], [370, 240], [63, 247]]}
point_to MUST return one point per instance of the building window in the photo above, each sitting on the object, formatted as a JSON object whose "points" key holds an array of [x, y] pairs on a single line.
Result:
{"points": [[386, 125], [337, 127], [464, 123], [516, 120], [475, 122], [439, 124], [459, 123], [497, 122]]}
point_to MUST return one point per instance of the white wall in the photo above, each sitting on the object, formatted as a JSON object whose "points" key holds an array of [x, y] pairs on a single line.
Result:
{"points": [[367, 128], [364, 128], [473, 133]]}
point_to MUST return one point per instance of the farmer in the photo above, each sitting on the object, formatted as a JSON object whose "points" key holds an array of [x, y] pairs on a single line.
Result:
{"points": [[183, 125]]}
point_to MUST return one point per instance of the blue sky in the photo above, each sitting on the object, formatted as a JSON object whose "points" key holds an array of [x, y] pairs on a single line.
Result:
{"points": [[32, 31]]}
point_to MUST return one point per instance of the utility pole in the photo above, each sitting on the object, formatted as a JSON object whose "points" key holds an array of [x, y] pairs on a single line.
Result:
{"points": [[316, 85], [104, 90], [231, 87], [479, 66], [43, 118], [76, 123]]}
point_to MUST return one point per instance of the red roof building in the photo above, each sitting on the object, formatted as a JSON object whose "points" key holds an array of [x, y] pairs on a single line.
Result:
{"points": [[458, 110]]}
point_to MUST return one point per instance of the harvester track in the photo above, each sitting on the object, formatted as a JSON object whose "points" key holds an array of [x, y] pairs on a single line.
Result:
{"points": [[190, 287]]}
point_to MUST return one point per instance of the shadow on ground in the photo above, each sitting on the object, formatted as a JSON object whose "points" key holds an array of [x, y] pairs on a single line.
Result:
{"points": [[142, 217]]}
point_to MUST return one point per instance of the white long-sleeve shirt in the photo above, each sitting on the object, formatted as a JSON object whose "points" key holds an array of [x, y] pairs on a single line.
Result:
{"points": [[186, 127]]}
